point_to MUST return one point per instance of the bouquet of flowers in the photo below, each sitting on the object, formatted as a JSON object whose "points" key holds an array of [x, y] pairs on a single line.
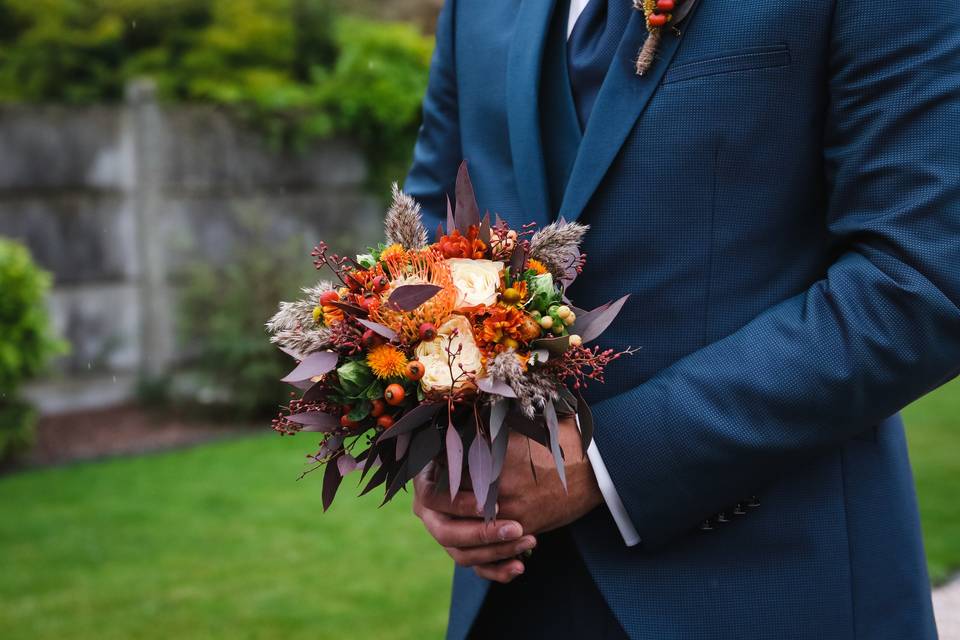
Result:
{"points": [[417, 352]]}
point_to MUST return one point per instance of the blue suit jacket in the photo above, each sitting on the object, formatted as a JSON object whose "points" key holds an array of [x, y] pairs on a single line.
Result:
{"points": [[781, 196]]}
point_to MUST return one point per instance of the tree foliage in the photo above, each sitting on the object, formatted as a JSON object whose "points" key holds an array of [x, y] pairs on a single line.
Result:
{"points": [[295, 68]]}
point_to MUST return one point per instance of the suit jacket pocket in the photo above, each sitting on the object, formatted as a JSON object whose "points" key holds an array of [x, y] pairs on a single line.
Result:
{"points": [[742, 60]]}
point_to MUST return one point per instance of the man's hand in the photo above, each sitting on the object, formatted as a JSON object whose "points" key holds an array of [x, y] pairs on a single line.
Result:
{"points": [[490, 548], [530, 489], [531, 500]]}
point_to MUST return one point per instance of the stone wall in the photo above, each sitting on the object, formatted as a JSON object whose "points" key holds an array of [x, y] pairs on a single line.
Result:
{"points": [[113, 199]]}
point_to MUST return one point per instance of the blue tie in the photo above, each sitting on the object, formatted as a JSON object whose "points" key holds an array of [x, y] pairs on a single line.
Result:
{"points": [[590, 49]]}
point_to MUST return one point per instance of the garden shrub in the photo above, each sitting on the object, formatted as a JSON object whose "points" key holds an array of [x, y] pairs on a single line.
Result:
{"points": [[26, 341]]}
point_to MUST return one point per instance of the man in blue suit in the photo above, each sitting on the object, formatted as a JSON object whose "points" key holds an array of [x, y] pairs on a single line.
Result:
{"points": [[779, 192]]}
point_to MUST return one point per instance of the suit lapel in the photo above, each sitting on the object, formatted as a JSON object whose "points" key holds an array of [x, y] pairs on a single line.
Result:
{"points": [[621, 101], [523, 83]]}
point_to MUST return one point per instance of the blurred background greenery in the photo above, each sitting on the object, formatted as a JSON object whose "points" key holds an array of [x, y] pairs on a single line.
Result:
{"points": [[109, 526]]}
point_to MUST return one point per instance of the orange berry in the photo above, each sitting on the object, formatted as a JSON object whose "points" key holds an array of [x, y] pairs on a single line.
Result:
{"points": [[385, 421], [427, 332], [379, 407], [394, 395], [329, 296], [415, 370], [347, 423]]}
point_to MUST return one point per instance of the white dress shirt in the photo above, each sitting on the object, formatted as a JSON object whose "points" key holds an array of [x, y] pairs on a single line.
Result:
{"points": [[610, 495]]}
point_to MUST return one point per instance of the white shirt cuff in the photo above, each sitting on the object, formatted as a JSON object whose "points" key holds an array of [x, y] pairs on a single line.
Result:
{"points": [[611, 497]]}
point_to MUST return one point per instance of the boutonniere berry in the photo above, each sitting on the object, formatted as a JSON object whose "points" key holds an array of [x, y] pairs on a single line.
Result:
{"points": [[659, 15]]}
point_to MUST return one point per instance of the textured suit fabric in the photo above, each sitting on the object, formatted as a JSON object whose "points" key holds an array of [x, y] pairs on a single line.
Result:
{"points": [[781, 196], [555, 598], [592, 45]]}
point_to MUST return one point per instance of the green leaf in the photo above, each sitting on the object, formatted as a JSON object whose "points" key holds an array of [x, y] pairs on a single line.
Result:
{"points": [[355, 377], [360, 410]]}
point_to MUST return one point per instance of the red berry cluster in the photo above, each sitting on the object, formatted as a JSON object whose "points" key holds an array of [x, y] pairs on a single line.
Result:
{"points": [[661, 13]]}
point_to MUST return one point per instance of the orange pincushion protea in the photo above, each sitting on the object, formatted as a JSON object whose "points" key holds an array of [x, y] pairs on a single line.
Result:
{"points": [[416, 267]]}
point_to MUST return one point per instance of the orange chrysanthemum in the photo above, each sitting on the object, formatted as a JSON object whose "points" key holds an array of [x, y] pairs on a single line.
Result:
{"points": [[456, 245], [393, 250], [537, 266], [386, 361], [498, 328]]}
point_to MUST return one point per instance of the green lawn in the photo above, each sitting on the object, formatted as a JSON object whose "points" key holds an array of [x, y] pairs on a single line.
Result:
{"points": [[933, 430], [220, 542], [212, 542]]}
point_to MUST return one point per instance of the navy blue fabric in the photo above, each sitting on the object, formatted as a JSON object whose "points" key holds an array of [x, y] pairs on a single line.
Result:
{"points": [[780, 194], [554, 598], [591, 46]]}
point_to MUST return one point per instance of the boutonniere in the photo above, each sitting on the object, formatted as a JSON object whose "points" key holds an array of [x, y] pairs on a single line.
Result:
{"points": [[659, 14]]}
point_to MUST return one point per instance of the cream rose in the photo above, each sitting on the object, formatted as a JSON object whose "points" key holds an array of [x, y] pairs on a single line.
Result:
{"points": [[435, 358], [477, 281]]}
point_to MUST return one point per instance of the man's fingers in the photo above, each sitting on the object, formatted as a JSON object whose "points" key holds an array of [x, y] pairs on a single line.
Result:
{"points": [[503, 572], [489, 554], [464, 505], [473, 532]]}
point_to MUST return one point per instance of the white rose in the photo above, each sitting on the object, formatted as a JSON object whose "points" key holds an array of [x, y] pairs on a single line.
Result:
{"points": [[435, 354], [477, 281]]}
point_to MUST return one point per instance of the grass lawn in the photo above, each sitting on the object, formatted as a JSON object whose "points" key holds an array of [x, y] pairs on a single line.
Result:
{"points": [[933, 430], [220, 542], [212, 542]]}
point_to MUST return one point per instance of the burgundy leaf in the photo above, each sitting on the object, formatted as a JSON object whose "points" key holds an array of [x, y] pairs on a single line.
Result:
{"points": [[553, 426], [330, 446], [534, 429], [484, 234], [498, 412], [467, 213], [331, 482], [498, 452], [346, 464], [416, 417], [315, 364], [495, 387], [315, 421], [410, 296], [451, 224], [350, 309], [555, 345], [379, 329], [594, 323], [481, 466], [454, 459], [490, 507], [316, 392], [376, 480], [518, 261], [403, 441]]}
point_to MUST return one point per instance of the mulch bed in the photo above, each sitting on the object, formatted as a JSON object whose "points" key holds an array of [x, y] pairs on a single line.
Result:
{"points": [[119, 431]]}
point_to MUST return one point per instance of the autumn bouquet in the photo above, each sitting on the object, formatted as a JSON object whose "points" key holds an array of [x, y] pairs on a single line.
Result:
{"points": [[417, 351]]}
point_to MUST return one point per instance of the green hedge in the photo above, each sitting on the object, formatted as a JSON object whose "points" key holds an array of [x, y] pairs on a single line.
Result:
{"points": [[26, 343], [295, 68]]}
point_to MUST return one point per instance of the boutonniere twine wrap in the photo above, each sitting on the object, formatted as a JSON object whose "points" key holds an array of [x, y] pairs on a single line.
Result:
{"points": [[659, 14], [418, 352]]}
